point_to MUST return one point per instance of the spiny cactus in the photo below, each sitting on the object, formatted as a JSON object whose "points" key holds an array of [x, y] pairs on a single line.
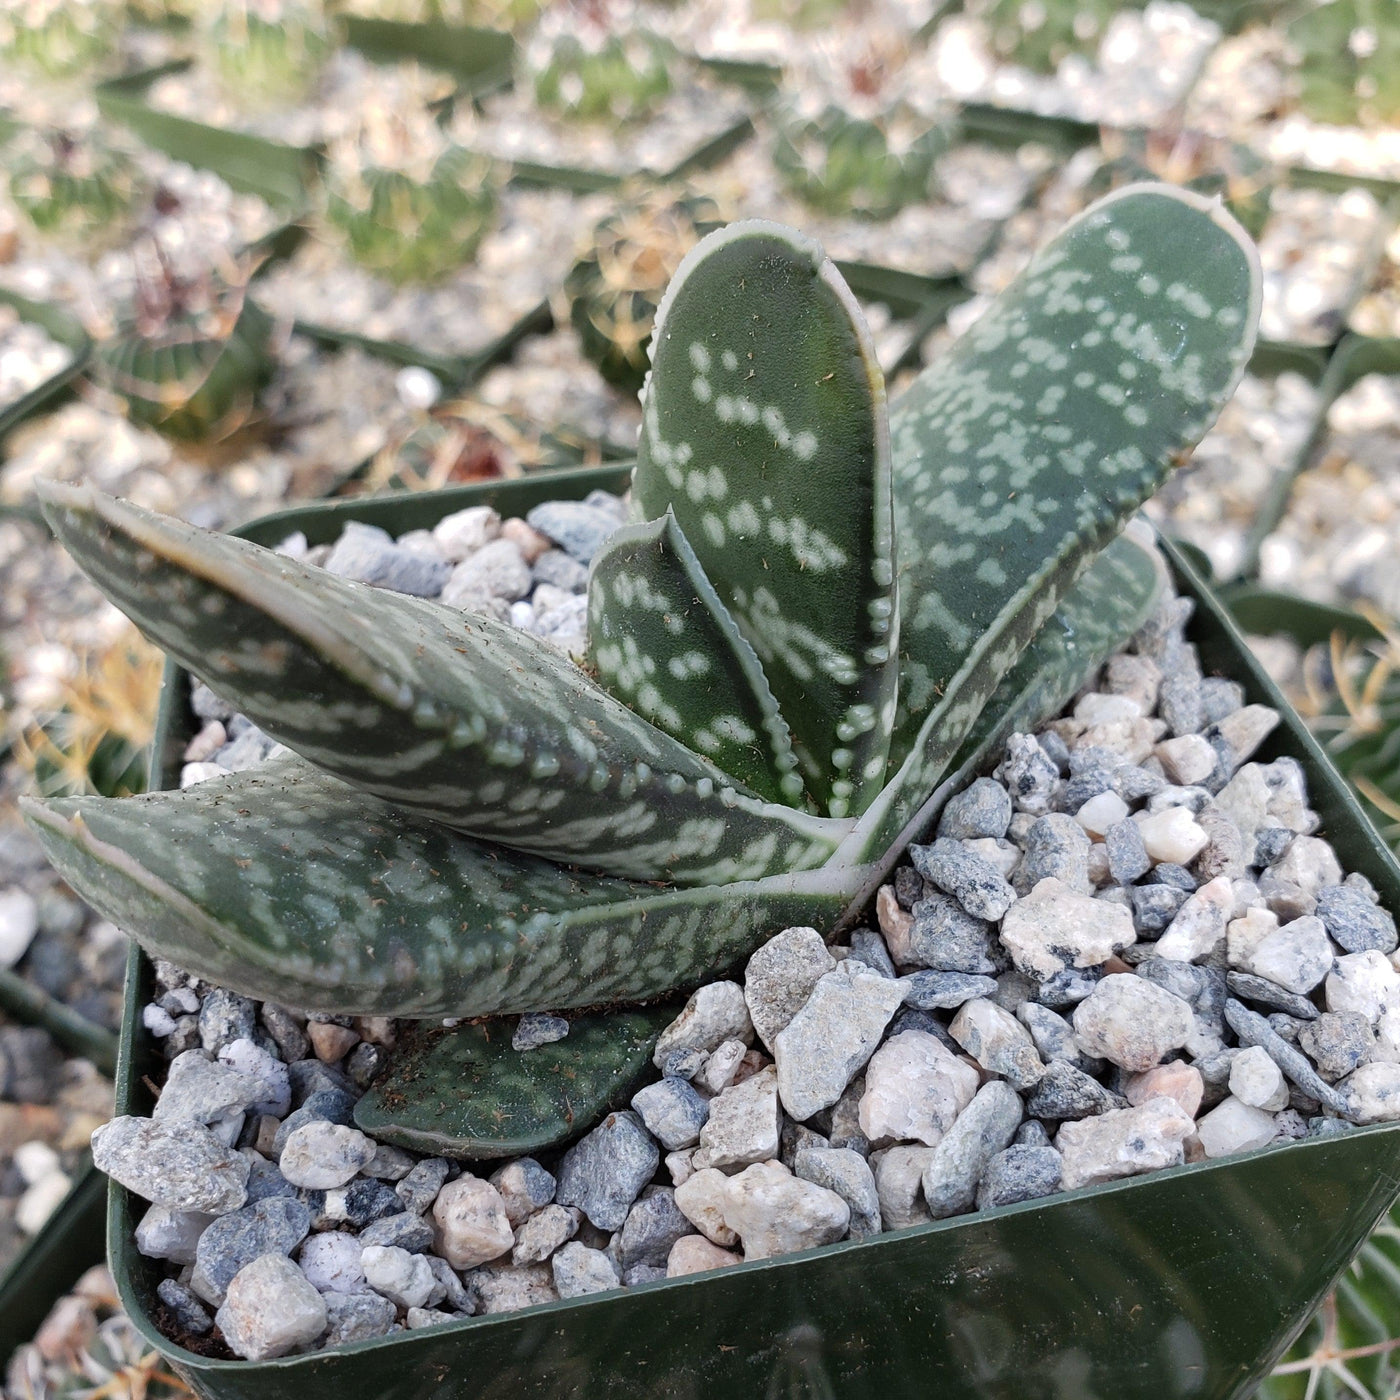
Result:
{"points": [[266, 53], [616, 286], [590, 62], [848, 142], [410, 207], [58, 38], [1349, 61], [822, 621], [191, 355], [74, 187]]}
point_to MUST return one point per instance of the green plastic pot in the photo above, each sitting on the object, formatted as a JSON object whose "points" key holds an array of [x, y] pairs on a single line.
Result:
{"points": [[1190, 1282]]}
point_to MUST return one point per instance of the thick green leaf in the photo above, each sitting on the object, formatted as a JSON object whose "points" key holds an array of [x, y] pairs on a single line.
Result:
{"points": [[450, 715], [764, 430], [288, 885], [663, 643], [1049, 422], [1105, 606], [465, 1093]]}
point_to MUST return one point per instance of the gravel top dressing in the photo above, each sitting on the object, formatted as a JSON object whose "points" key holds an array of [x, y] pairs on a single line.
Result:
{"points": [[1127, 947]]}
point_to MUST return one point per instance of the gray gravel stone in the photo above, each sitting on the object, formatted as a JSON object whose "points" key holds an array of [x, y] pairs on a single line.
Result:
{"points": [[187, 1311], [537, 1028], [983, 809], [1127, 856], [177, 1164], [1271, 843], [576, 528], [354, 1317], [578, 1270], [1032, 1133], [1338, 1041], [982, 1129], [367, 554], [1065, 1092], [286, 1032], [225, 1017], [868, 947], [1155, 906], [1057, 847], [1260, 990], [418, 1189], [544, 1232], [273, 1226], [202, 1090], [1030, 775], [1019, 1173], [524, 1186], [1068, 987], [946, 938], [830, 1039], [673, 1112], [322, 1106], [497, 570], [271, 1310], [1253, 1029], [1132, 1022], [652, 1226], [744, 1124], [848, 1174], [560, 570], [972, 881], [403, 1230], [943, 991], [1354, 922], [604, 1172], [780, 977], [998, 1042]]}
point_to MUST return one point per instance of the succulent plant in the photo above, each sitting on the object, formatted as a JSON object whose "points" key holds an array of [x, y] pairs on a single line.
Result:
{"points": [[616, 286], [266, 53], [190, 356], [489, 14], [1041, 34], [75, 187], [848, 141], [590, 63], [409, 229], [58, 38], [1349, 61], [824, 618]]}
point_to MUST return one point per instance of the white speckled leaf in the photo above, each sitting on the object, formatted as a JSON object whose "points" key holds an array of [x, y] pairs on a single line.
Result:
{"points": [[764, 429], [285, 884], [663, 643], [450, 715], [1110, 600], [1049, 422]]}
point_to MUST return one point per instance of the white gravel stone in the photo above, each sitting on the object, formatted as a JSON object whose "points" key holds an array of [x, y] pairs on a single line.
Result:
{"points": [[827, 1043], [1055, 927], [998, 1042], [982, 1130], [465, 531], [718, 1071], [1176, 1079], [19, 922], [915, 1087], [774, 1212], [331, 1262], [715, 1013], [1235, 1126], [1374, 1093], [1244, 935], [1099, 813], [265, 1070], [404, 1278], [1132, 1022], [472, 1225], [780, 977], [270, 1310], [1173, 835], [1297, 956], [1186, 760], [1364, 982], [744, 1122], [899, 1184], [322, 1156], [1200, 924], [544, 1232], [694, 1254], [702, 1199], [1123, 1142], [1257, 1081], [171, 1234]]}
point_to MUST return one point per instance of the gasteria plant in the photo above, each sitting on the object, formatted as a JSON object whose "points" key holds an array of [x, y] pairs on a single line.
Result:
{"points": [[1349, 61], [266, 52], [74, 186], [823, 619]]}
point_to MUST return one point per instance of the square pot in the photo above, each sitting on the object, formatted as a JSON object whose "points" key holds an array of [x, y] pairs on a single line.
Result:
{"points": [[1189, 1282]]}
